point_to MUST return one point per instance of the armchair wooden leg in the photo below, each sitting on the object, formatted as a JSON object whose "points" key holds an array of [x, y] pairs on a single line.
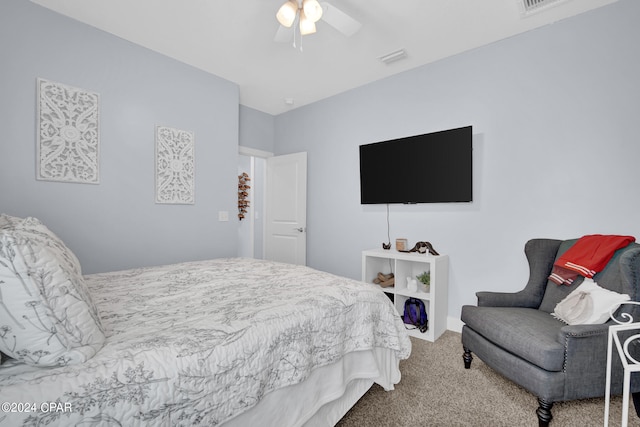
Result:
{"points": [[467, 357], [544, 413]]}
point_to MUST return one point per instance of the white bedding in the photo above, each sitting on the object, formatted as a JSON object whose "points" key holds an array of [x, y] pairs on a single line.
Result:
{"points": [[201, 343]]}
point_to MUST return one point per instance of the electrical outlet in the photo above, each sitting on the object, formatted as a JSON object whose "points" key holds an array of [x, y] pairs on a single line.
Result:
{"points": [[223, 216]]}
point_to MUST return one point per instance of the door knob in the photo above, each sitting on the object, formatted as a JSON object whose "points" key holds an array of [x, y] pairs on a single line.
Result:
{"points": [[300, 229]]}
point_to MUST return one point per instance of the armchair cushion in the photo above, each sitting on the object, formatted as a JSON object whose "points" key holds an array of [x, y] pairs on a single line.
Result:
{"points": [[529, 333]]}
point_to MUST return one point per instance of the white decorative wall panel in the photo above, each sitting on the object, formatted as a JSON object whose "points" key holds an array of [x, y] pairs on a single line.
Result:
{"points": [[68, 133], [174, 166]]}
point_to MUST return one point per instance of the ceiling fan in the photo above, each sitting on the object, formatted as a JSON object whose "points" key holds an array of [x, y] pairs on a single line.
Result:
{"points": [[302, 15]]}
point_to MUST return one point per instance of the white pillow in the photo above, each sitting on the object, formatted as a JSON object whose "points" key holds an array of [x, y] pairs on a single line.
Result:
{"points": [[47, 316], [588, 304], [38, 231]]}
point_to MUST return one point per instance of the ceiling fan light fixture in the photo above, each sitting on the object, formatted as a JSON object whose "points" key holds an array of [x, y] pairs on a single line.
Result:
{"points": [[307, 26], [312, 10], [287, 13]]}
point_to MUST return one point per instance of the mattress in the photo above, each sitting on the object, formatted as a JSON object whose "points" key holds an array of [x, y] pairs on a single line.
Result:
{"points": [[206, 342]]}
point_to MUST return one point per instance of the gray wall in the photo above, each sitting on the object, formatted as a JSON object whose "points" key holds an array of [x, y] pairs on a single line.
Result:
{"points": [[556, 150], [256, 129], [555, 147], [116, 224]]}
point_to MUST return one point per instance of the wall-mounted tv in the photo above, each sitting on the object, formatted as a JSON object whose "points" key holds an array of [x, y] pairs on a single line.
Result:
{"points": [[431, 168]]}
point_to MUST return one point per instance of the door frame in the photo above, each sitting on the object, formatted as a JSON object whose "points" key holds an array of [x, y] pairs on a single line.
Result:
{"points": [[253, 152]]}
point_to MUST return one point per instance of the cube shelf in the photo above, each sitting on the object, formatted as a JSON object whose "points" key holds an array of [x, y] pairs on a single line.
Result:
{"points": [[409, 265]]}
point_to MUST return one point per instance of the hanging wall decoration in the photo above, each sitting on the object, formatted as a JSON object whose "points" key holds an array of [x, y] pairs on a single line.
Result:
{"points": [[243, 193], [174, 166], [68, 133]]}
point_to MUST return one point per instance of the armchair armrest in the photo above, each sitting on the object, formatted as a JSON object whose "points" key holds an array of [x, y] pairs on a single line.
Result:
{"points": [[569, 332], [585, 360]]}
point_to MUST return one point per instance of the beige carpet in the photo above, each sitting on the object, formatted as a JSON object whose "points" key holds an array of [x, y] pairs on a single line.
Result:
{"points": [[436, 390]]}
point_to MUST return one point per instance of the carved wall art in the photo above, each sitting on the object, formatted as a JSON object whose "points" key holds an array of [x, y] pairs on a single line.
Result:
{"points": [[174, 166], [68, 133]]}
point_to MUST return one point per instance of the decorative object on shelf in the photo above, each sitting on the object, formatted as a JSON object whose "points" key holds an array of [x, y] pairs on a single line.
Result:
{"points": [[425, 279], [412, 284], [386, 246], [385, 280], [174, 166], [422, 247], [401, 244], [243, 193], [68, 134]]}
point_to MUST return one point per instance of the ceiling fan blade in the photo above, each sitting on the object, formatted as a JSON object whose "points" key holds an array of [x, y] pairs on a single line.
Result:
{"points": [[284, 34], [339, 20]]}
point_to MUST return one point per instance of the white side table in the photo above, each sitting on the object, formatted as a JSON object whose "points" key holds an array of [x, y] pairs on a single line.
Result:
{"points": [[628, 363]]}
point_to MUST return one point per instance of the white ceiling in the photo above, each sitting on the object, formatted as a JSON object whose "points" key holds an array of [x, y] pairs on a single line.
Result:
{"points": [[234, 39]]}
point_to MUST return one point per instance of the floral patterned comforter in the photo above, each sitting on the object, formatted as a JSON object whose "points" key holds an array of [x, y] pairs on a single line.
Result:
{"points": [[198, 343]]}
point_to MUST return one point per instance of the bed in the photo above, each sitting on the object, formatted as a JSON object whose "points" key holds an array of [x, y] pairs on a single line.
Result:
{"points": [[230, 342]]}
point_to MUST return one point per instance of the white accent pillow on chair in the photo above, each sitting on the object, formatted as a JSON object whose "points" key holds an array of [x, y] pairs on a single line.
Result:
{"points": [[588, 304]]}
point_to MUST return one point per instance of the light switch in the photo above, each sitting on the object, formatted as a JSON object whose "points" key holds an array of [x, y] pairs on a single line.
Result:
{"points": [[223, 216]]}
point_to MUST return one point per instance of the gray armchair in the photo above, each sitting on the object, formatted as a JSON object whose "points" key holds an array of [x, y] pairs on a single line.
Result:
{"points": [[515, 334]]}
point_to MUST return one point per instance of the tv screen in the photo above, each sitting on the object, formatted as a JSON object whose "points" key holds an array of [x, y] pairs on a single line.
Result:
{"points": [[430, 168]]}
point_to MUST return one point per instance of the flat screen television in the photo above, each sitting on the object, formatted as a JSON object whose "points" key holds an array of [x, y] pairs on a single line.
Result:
{"points": [[431, 168]]}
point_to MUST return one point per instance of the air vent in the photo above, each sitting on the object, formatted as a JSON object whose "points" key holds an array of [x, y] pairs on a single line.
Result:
{"points": [[533, 6], [393, 56]]}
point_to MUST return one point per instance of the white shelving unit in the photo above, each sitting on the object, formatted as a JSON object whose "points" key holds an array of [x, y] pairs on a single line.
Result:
{"points": [[404, 265]]}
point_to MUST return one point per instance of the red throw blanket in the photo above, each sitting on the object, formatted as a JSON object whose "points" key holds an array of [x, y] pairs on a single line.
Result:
{"points": [[588, 256]]}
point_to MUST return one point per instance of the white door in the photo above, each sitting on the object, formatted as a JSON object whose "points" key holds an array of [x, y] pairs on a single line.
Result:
{"points": [[286, 209]]}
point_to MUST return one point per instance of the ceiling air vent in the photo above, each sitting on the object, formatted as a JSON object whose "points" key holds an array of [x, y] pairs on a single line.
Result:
{"points": [[394, 56], [533, 6]]}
